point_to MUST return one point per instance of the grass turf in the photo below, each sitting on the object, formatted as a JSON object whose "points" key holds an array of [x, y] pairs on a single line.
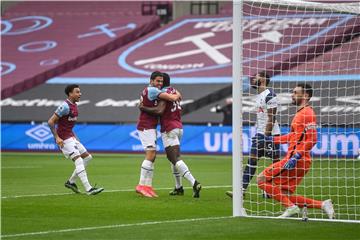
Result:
{"points": [[34, 200]]}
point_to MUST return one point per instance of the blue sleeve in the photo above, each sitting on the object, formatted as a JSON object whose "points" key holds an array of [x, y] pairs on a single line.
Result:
{"points": [[62, 110], [153, 93]]}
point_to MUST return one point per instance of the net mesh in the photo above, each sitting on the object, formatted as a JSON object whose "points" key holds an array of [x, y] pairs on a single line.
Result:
{"points": [[316, 43]]}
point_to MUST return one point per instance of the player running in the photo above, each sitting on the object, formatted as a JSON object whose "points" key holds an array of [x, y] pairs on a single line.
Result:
{"points": [[266, 124], [146, 128], [281, 178], [65, 117], [171, 133]]}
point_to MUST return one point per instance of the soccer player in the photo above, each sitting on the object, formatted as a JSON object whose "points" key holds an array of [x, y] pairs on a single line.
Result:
{"points": [[146, 128], [65, 118], [171, 133], [266, 124], [281, 178]]}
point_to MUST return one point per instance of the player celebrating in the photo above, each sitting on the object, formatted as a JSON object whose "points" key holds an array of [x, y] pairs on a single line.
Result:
{"points": [[266, 124], [65, 117], [281, 178], [147, 131], [171, 133]]}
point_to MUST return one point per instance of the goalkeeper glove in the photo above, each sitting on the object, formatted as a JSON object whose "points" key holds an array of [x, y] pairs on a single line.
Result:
{"points": [[291, 163]]}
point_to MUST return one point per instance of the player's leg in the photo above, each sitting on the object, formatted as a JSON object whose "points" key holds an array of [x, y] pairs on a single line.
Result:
{"points": [[172, 156], [71, 151], [148, 141], [257, 149], [270, 181], [86, 156], [172, 140], [302, 168]]}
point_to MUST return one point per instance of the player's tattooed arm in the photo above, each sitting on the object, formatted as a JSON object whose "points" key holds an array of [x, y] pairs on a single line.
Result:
{"points": [[157, 111], [52, 122]]}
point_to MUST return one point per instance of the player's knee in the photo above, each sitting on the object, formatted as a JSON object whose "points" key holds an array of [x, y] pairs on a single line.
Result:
{"points": [[150, 155], [87, 159], [74, 158]]}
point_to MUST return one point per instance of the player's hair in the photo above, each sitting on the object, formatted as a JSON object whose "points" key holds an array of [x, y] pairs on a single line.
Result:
{"points": [[166, 78], [306, 88], [266, 76], [155, 75], [70, 88]]}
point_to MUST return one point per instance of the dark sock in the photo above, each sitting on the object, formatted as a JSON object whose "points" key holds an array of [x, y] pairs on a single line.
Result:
{"points": [[249, 172]]}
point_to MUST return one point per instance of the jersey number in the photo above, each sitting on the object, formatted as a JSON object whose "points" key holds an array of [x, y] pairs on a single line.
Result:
{"points": [[176, 105]]}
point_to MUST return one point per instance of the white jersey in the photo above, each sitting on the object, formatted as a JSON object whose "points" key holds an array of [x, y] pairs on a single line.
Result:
{"points": [[264, 101]]}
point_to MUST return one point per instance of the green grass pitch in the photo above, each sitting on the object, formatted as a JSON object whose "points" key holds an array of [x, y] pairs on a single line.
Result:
{"points": [[35, 204]]}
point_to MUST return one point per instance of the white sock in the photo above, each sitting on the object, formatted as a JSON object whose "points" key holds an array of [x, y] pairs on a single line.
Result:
{"points": [[177, 176], [146, 173], [74, 176], [81, 172], [185, 172]]}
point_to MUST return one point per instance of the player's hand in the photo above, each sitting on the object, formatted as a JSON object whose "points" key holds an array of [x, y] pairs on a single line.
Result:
{"points": [[141, 105], [291, 163], [60, 142]]}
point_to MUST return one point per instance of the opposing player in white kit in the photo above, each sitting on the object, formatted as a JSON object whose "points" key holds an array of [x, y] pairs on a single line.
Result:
{"points": [[146, 128], [171, 133], [65, 117], [266, 124]]}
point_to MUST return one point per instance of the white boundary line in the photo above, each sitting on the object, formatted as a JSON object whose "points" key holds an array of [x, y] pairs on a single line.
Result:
{"points": [[106, 191], [161, 222], [113, 226]]}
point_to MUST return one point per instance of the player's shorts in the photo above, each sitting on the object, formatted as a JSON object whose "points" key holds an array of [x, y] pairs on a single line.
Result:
{"points": [[148, 139], [258, 149], [72, 148], [172, 138], [287, 179]]}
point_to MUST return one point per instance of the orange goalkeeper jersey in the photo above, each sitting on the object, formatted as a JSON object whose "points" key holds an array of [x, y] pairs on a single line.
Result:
{"points": [[303, 134]]}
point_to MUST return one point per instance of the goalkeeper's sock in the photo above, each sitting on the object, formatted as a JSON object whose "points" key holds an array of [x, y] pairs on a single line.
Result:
{"points": [[74, 176], [146, 173], [276, 193], [301, 200], [81, 172], [249, 172], [177, 176], [185, 172]]}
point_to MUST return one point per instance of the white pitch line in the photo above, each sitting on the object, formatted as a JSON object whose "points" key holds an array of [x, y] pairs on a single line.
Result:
{"points": [[105, 191], [20, 167], [114, 226]]}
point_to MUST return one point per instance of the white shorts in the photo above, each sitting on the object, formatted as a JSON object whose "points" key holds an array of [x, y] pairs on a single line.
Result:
{"points": [[148, 139], [172, 138], [72, 147]]}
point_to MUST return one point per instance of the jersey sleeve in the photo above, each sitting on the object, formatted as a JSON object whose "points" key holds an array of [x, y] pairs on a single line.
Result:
{"points": [[62, 110], [153, 93]]}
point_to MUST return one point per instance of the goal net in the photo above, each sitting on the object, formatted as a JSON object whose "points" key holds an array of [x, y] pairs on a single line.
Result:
{"points": [[316, 43]]}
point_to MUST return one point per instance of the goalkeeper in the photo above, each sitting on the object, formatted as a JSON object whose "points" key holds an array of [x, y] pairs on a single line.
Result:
{"points": [[280, 179]]}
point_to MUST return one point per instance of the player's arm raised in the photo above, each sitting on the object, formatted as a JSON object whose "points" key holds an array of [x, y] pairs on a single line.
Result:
{"points": [[157, 111], [53, 120]]}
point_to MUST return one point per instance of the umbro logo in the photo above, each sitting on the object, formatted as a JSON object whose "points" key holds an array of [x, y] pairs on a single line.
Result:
{"points": [[40, 133]]}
